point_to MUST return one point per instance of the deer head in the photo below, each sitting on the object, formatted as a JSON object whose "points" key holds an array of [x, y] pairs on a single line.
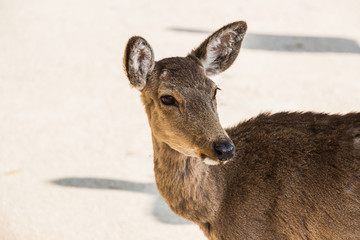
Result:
{"points": [[180, 98]]}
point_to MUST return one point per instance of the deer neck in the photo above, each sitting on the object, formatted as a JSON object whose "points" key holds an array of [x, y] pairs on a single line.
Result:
{"points": [[186, 183]]}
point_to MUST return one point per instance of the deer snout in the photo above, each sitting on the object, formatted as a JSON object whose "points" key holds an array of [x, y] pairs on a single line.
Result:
{"points": [[224, 150]]}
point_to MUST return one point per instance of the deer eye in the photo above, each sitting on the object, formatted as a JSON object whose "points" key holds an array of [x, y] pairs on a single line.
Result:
{"points": [[215, 92], [168, 100]]}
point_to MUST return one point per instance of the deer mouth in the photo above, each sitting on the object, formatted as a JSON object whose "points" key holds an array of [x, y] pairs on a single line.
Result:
{"points": [[211, 161]]}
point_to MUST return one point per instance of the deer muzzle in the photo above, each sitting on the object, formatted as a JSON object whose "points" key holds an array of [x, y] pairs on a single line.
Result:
{"points": [[223, 150]]}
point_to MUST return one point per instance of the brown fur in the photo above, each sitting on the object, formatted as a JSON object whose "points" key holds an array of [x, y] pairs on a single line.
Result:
{"points": [[294, 175]]}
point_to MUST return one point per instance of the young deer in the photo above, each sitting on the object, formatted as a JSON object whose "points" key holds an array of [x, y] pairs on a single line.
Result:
{"points": [[293, 176]]}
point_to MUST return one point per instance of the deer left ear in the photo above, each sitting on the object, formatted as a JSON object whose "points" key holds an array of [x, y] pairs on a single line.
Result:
{"points": [[220, 50], [138, 61]]}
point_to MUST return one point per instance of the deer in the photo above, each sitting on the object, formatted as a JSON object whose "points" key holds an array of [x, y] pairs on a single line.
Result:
{"points": [[284, 175]]}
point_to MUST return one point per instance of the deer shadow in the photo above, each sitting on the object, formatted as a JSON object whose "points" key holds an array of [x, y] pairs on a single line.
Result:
{"points": [[289, 43], [160, 209]]}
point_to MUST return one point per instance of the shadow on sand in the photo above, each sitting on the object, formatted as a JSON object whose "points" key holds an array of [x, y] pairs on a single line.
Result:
{"points": [[160, 210], [290, 43]]}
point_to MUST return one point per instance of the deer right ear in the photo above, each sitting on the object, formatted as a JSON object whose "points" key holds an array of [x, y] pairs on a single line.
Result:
{"points": [[220, 50], [138, 61]]}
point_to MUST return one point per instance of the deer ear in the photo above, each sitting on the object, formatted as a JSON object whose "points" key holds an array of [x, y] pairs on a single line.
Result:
{"points": [[220, 50], [138, 61]]}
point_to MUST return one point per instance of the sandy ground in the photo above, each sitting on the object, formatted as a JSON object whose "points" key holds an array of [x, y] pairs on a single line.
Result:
{"points": [[75, 146]]}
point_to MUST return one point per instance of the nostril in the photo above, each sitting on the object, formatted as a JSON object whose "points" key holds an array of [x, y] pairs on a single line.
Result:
{"points": [[217, 150], [223, 150]]}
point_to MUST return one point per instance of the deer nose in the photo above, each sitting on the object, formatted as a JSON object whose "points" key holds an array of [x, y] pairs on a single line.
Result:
{"points": [[224, 150]]}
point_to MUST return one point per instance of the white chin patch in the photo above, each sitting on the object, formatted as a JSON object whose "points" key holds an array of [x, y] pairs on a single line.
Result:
{"points": [[210, 161]]}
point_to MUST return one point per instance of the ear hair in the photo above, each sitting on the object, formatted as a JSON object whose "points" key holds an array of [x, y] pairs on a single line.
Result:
{"points": [[220, 50], [138, 61]]}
